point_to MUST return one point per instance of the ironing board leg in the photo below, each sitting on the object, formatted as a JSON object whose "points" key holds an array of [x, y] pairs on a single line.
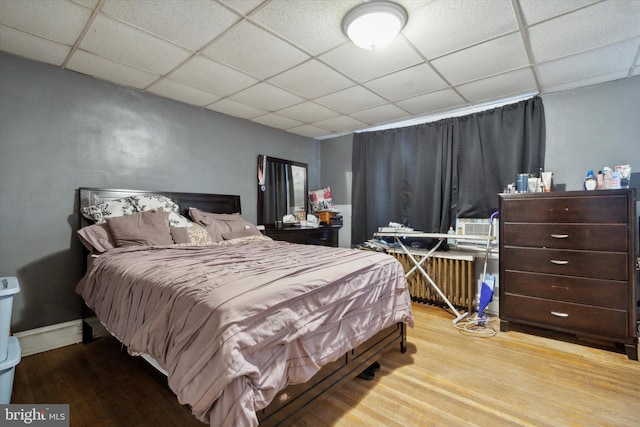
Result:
{"points": [[418, 266]]}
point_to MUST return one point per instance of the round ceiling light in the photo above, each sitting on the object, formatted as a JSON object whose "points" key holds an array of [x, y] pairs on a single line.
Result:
{"points": [[374, 24]]}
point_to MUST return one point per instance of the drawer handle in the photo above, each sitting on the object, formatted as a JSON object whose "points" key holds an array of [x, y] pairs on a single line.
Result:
{"points": [[558, 314], [560, 287], [560, 236], [559, 262]]}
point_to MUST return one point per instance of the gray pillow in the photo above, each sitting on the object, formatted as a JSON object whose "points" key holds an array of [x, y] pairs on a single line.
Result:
{"points": [[145, 228], [96, 238], [219, 225]]}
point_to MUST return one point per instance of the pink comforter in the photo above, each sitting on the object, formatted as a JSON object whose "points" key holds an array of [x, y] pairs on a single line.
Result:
{"points": [[235, 323]]}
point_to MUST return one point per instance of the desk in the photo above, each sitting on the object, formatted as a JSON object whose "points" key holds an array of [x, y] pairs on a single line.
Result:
{"points": [[417, 264]]}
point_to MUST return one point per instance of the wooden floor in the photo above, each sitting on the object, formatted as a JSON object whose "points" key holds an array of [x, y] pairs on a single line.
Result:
{"points": [[446, 378]]}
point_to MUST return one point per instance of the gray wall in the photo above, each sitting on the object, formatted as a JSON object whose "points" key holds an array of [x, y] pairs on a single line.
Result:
{"points": [[336, 167], [587, 128], [592, 127], [60, 130]]}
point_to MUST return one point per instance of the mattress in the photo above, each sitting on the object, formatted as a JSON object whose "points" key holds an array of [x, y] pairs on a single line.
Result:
{"points": [[234, 323]]}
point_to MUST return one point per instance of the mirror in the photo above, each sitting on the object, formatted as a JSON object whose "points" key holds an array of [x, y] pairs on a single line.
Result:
{"points": [[282, 189]]}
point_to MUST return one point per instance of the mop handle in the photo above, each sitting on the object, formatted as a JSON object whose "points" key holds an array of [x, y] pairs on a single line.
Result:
{"points": [[486, 254]]}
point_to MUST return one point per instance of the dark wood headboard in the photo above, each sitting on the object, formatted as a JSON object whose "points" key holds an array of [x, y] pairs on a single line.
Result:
{"points": [[217, 203]]}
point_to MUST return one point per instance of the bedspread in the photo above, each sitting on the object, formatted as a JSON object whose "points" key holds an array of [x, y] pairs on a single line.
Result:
{"points": [[233, 324]]}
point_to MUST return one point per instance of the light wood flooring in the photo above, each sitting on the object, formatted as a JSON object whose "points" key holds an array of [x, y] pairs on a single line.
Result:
{"points": [[445, 378]]}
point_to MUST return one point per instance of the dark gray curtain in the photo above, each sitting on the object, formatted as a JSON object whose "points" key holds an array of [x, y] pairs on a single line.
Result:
{"points": [[426, 175], [278, 193], [495, 146]]}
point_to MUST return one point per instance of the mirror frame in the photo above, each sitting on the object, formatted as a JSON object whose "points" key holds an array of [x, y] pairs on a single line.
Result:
{"points": [[260, 213]]}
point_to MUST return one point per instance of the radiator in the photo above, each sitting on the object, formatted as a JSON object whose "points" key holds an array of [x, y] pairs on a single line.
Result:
{"points": [[454, 276]]}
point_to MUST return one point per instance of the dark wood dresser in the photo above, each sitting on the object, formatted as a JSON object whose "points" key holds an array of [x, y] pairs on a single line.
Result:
{"points": [[567, 263], [326, 235]]}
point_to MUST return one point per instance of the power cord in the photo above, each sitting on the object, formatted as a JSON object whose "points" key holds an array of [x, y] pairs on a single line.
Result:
{"points": [[477, 326]]}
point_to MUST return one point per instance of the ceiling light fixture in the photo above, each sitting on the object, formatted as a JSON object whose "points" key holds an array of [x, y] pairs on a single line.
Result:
{"points": [[374, 24]]}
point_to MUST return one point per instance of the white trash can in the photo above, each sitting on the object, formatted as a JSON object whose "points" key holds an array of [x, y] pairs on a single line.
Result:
{"points": [[8, 288], [10, 350], [8, 369]]}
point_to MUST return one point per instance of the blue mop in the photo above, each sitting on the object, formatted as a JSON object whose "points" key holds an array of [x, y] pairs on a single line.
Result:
{"points": [[488, 281]]}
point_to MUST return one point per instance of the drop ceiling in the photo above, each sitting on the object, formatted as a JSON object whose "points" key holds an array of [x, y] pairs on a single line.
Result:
{"points": [[286, 64]]}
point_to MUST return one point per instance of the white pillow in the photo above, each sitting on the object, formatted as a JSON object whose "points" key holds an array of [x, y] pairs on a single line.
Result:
{"points": [[134, 204]]}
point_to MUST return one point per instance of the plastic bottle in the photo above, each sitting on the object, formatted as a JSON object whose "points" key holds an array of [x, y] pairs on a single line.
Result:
{"points": [[599, 181], [607, 177], [451, 242]]}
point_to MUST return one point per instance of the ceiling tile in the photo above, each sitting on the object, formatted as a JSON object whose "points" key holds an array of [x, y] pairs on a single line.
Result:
{"points": [[433, 102], [309, 131], [489, 58], [591, 27], [445, 26], [534, 11], [349, 100], [276, 121], [613, 58], [57, 20], [267, 97], [243, 6], [249, 58], [341, 124], [314, 26], [192, 26], [517, 82], [308, 112], [174, 90], [211, 76], [29, 46], [311, 79], [88, 3], [114, 40], [574, 84], [96, 66], [237, 109], [406, 83], [379, 115], [363, 64], [254, 51]]}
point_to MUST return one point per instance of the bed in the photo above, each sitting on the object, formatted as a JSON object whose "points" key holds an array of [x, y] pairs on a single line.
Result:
{"points": [[248, 329]]}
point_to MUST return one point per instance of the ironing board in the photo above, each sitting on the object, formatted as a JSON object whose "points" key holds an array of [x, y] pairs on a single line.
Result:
{"points": [[417, 264]]}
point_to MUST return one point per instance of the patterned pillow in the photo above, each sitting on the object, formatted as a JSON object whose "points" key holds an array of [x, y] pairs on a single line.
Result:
{"points": [[134, 204], [191, 236], [321, 199]]}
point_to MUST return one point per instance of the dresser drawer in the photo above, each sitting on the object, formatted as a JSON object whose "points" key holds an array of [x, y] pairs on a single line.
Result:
{"points": [[323, 236], [580, 290], [567, 316], [587, 209], [597, 265], [595, 237]]}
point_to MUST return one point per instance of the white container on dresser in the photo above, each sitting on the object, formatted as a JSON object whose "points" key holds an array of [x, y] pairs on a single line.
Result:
{"points": [[567, 263]]}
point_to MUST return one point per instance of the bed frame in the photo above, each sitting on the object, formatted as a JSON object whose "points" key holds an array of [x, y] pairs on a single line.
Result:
{"points": [[295, 400]]}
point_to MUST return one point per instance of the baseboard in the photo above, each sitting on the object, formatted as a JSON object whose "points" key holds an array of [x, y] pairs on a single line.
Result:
{"points": [[51, 337]]}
